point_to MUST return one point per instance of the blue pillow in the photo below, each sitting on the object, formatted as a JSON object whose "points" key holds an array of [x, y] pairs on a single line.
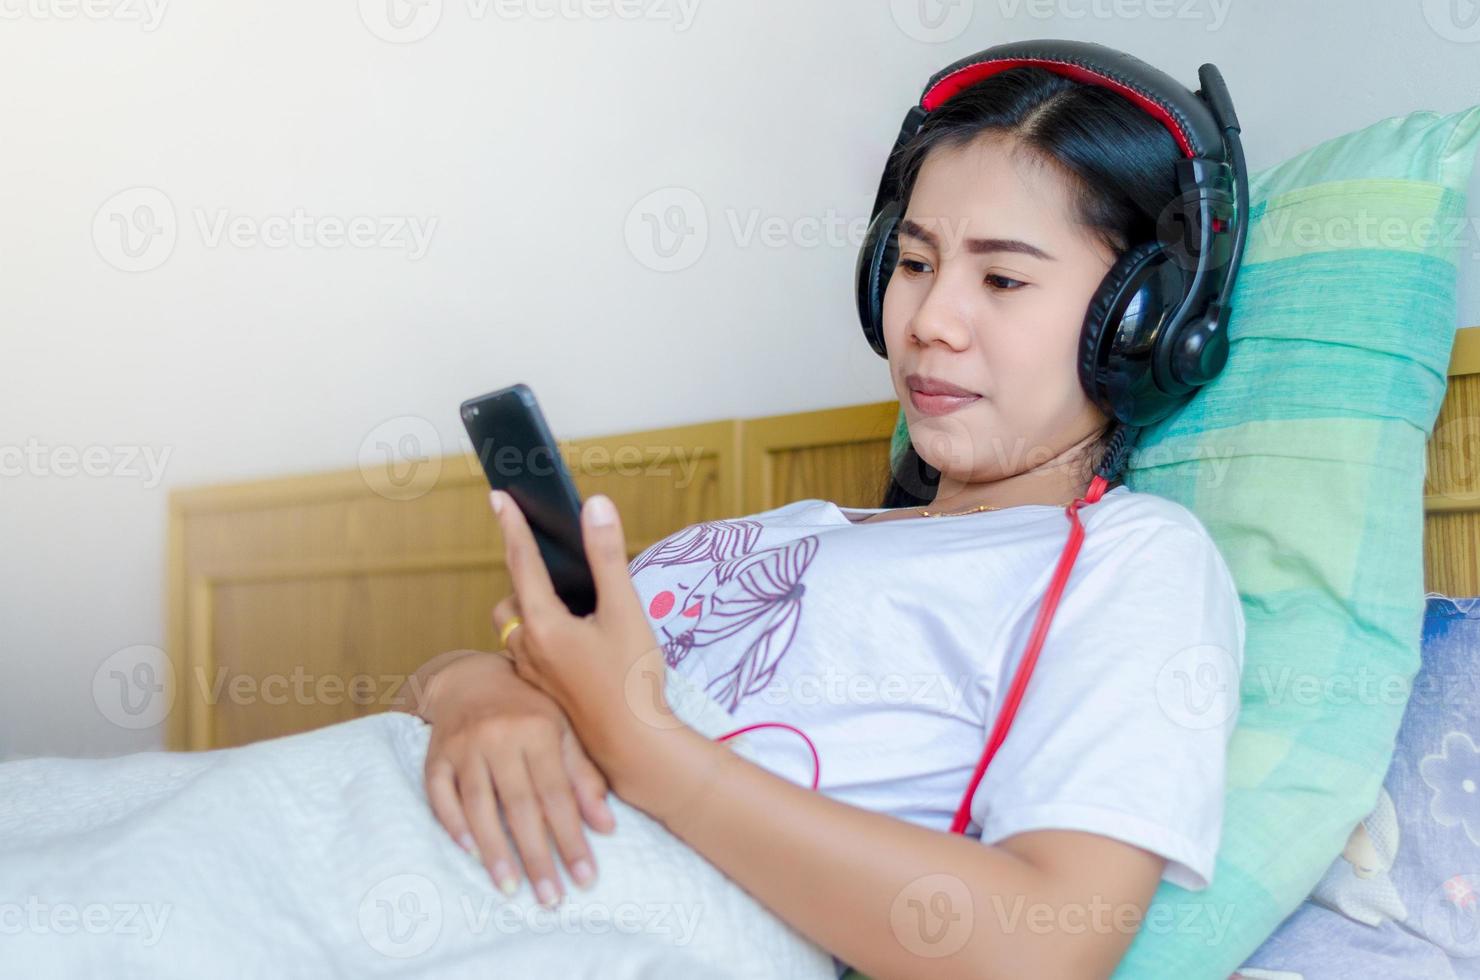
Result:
{"points": [[1403, 899]]}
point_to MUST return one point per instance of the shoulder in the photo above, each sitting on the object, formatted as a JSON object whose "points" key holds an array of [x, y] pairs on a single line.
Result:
{"points": [[1127, 512], [742, 527], [1150, 549], [1152, 529], [809, 511]]}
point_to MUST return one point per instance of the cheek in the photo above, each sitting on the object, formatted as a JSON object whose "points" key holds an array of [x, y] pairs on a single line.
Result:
{"points": [[1048, 344], [901, 300], [1035, 343], [1035, 368]]}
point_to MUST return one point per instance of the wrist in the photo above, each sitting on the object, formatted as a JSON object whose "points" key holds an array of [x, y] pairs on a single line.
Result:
{"points": [[671, 774], [471, 670]]}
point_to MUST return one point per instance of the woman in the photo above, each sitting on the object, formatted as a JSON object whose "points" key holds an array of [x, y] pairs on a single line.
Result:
{"points": [[887, 635]]}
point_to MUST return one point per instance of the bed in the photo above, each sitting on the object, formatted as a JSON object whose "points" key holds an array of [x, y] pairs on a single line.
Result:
{"points": [[299, 602]]}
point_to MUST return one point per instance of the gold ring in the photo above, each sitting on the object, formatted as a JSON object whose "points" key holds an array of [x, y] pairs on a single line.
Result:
{"points": [[503, 634]]}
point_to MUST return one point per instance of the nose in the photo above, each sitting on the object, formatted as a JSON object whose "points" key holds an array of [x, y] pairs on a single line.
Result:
{"points": [[940, 319]]}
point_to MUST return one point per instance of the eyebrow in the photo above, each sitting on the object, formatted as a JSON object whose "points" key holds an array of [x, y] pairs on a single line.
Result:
{"points": [[975, 246]]}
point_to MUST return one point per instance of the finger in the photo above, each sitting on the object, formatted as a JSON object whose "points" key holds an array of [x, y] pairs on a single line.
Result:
{"points": [[522, 554], [589, 784], [524, 667], [446, 807], [507, 609], [606, 554], [526, 823], [480, 804], [557, 797]]}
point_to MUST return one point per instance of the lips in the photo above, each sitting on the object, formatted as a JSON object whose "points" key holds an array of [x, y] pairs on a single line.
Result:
{"points": [[932, 396], [939, 404]]}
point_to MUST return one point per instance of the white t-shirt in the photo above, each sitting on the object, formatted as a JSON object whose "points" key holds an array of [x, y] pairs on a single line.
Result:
{"points": [[892, 646]]}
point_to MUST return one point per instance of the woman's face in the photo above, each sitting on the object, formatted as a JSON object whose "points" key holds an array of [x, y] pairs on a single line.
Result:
{"points": [[990, 292]]}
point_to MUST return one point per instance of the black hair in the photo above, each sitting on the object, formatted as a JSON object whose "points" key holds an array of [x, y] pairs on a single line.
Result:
{"points": [[1121, 165]]}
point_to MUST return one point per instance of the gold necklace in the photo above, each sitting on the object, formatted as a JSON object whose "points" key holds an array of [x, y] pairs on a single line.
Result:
{"points": [[926, 513]]}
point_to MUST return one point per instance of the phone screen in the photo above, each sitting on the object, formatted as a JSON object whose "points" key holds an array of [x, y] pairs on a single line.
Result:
{"points": [[518, 454]]}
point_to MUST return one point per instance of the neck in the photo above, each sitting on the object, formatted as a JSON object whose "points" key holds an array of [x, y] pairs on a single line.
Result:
{"points": [[1057, 481]]}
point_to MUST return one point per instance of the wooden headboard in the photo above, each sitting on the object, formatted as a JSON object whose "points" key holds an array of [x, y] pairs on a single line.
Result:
{"points": [[300, 602], [1451, 503]]}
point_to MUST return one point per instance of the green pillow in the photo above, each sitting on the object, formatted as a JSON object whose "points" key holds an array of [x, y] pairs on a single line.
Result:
{"points": [[1305, 461]]}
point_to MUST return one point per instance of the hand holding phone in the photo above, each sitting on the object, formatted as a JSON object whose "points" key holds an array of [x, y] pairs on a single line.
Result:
{"points": [[519, 456]]}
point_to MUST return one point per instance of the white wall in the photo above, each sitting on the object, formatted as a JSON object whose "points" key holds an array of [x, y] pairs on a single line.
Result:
{"points": [[523, 143]]}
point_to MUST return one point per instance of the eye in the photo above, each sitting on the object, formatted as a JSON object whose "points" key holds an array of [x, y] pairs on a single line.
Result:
{"points": [[912, 268], [1004, 283]]}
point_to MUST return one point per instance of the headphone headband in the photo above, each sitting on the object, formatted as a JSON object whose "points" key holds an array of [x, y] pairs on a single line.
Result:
{"points": [[1186, 116]]}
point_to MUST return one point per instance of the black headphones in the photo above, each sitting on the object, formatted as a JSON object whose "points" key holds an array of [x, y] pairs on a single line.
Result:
{"points": [[1157, 328]]}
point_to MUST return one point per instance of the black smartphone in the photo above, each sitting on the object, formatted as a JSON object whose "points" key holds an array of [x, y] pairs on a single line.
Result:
{"points": [[513, 443]]}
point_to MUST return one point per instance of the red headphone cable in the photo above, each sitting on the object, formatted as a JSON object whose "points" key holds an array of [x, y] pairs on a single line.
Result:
{"points": [[1065, 566], [1035, 643], [816, 762]]}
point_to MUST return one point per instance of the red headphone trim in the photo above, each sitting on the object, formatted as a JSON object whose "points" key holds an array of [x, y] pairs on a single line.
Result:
{"points": [[953, 83]]}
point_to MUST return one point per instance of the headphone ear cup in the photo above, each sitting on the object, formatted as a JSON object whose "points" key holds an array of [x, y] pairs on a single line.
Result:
{"points": [[1124, 336], [876, 259]]}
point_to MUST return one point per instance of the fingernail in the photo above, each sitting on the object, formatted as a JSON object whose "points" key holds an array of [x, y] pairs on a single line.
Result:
{"points": [[498, 501], [545, 889], [503, 876], [606, 811], [467, 842], [582, 872], [600, 510]]}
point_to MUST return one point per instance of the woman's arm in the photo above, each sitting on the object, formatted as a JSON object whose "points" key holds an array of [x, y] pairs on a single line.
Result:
{"points": [[888, 897], [415, 690]]}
